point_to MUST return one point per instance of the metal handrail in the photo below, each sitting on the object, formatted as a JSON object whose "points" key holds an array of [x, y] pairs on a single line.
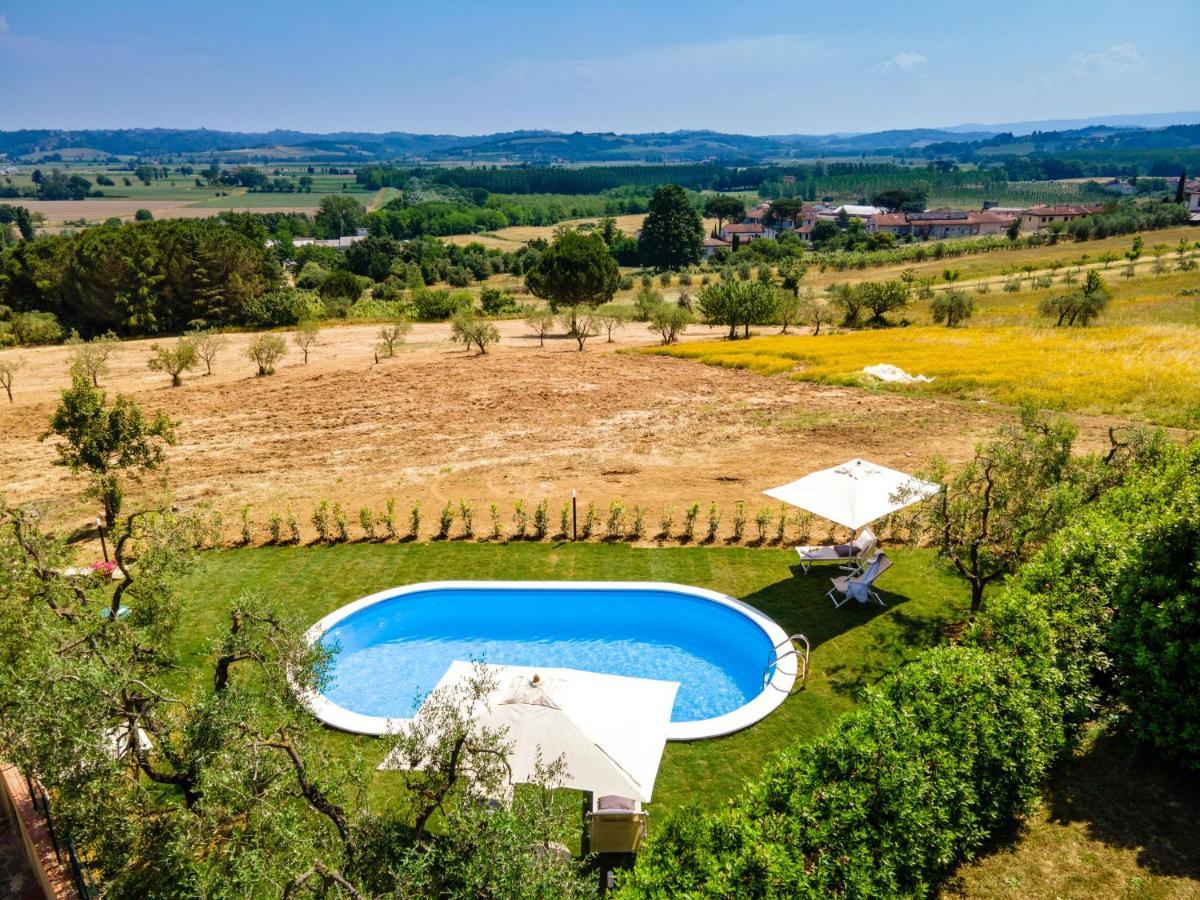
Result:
{"points": [[801, 673]]}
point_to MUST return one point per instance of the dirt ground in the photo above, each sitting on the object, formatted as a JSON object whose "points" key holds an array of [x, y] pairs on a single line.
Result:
{"points": [[438, 424]]}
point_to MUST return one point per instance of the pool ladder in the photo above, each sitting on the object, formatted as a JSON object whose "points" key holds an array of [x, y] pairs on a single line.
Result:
{"points": [[800, 654]]}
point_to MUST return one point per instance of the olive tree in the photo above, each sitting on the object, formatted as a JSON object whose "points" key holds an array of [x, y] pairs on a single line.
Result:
{"points": [[669, 320], [90, 358], [9, 366], [580, 323], [996, 510], [108, 445], [208, 344], [1078, 307], [390, 335], [265, 351], [952, 308], [470, 330], [540, 322], [612, 316], [305, 337], [174, 360]]}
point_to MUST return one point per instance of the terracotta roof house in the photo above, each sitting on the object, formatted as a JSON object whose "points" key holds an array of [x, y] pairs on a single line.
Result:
{"points": [[712, 244], [1191, 190], [1038, 217], [746, 231], [940, 223]]}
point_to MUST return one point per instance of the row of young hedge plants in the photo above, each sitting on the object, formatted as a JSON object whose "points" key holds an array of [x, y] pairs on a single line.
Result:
{"points": [[953, 748]]}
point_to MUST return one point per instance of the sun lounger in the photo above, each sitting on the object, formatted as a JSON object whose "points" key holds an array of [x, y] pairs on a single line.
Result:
{"points": [[851, 555], [860, 586], [616, 825]]}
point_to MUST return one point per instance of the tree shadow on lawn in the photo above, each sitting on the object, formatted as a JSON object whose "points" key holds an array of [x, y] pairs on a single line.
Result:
{"points": [[1128, 797]]}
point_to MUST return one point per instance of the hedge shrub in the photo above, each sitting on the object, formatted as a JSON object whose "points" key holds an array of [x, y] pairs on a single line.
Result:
{"points": [[951, 749], [935, 760]]}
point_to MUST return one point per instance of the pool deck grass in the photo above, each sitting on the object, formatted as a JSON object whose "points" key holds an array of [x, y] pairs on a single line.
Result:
{"points": [[852, 647]]}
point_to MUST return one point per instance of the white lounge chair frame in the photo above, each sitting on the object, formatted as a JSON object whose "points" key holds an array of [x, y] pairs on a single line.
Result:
{"points": [[866, 542], [861, 585]]}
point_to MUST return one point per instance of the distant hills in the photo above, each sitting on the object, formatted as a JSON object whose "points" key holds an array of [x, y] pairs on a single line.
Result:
{"points": [[1139, 131]]}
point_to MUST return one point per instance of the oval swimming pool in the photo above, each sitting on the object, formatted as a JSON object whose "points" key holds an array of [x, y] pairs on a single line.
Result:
{"points": [[390, 649]]}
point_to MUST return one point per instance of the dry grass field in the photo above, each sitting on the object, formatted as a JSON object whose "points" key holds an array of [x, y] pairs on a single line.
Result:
{"points": [[437, 424], [1139, 364]]}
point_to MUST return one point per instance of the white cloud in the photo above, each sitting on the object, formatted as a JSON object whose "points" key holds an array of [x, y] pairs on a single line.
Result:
{"points": [[901, 62], [1112, 60], [3, 25]]}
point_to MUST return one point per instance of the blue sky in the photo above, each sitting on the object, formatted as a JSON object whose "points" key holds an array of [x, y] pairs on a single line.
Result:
{"points": [[466, 67]]}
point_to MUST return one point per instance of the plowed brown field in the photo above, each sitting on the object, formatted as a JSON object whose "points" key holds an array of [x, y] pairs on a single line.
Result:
{"points": [[521, 423]]}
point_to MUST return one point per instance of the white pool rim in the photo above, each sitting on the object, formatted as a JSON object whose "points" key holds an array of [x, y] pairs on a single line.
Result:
{"points": [[769, 699]]}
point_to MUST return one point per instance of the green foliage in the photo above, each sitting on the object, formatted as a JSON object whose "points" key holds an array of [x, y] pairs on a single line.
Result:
{"points": [[265, 351], [939, 757], [445, 521], [339, 216], [174, 360], [951, 307], [669, 320], [470, 330], [341, 525], [673, 234], [279, 309], [1154, 592], [575, 270], [738, 304], [321, 521], [1079, 307], [437, 306], [147, 278], [714, 523], [495, 302], [35, 328], [108, 445], [341, 288], [724, 208]]}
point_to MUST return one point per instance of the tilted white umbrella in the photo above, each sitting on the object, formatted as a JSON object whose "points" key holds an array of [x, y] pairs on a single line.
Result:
{"points": [[610, 729], [855, 493]]}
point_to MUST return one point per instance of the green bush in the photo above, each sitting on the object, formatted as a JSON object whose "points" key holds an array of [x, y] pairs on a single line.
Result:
{"points": [[495, 302], [1154, 640], [278, 309], [35, 328], [435, 306], [947, 752], [936, 760]]}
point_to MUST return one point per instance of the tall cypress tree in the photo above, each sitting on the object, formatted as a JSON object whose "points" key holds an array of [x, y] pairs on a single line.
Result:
{"points": [[673, 233]]}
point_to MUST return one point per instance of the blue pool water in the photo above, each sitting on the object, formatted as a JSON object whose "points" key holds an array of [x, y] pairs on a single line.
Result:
{"points": [[389, 655]]}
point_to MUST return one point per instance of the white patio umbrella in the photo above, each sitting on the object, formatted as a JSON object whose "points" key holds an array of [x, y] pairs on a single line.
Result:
{"points": [[855, 493], [610, 729]]}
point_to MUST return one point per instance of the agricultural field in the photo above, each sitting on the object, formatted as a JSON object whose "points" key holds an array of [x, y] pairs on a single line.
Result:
{"points": [[1135, 365], [522, 423], [178, 196]]}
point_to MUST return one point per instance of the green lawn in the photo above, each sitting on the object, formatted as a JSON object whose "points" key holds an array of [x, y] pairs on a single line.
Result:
{"points": [[852, 647]]}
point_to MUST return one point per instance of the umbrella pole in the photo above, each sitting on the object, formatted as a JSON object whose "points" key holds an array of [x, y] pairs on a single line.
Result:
{"points": [[585, 839]]}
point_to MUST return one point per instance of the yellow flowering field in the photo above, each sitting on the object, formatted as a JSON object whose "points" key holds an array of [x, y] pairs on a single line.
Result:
{"points": [[1149, 372]]}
